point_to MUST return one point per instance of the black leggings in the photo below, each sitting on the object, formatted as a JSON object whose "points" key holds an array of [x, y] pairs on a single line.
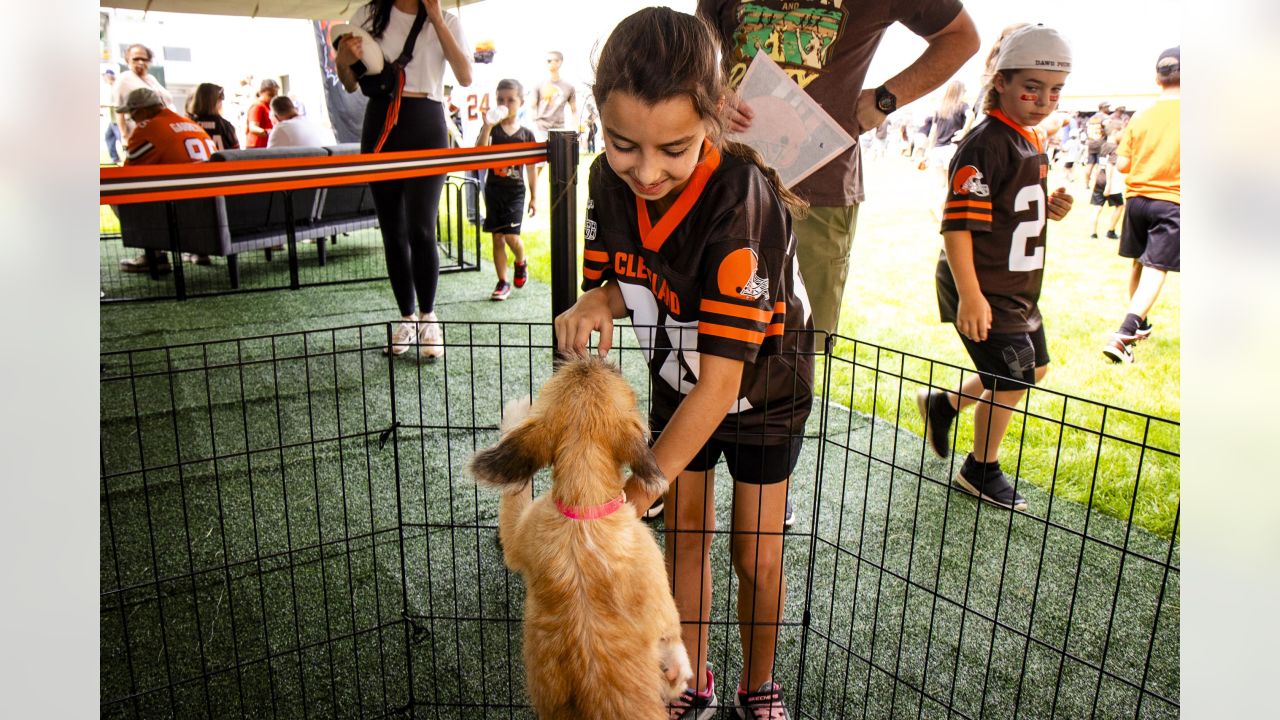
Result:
{"points": [[407, 208]]}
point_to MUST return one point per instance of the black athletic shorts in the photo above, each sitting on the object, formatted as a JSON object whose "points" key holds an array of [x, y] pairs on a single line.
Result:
{"points": [[1114, 200], [1151, 233], [1008, 361], [749, 462], [504, 207]]}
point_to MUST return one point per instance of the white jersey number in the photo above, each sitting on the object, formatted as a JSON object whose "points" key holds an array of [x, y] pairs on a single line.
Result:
{"points": [[1019, 260], [199, 148]]}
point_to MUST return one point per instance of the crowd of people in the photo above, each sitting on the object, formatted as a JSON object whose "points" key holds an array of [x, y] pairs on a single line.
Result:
{"points": [[689, 230], [144, 121]]}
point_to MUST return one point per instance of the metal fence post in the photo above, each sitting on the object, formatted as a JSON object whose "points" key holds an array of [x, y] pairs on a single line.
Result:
{"points": [[562, 156]]}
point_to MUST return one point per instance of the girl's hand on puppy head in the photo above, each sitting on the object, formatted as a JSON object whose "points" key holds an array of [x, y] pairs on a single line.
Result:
{"points": [[590, 314]]}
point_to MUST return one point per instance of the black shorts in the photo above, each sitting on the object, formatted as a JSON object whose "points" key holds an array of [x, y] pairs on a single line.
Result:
{"points": [[504, 207], [1093, 157], [1151, 233], [1114, 200], [1008, 361], [750, 462]]}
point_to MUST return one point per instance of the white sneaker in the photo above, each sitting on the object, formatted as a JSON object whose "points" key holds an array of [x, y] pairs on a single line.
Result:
{"points": [[432, 337], [405, 337]]}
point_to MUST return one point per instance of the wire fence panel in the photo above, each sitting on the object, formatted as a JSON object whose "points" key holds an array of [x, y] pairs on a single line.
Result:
{"points": [[960, 609], [288, 529]]}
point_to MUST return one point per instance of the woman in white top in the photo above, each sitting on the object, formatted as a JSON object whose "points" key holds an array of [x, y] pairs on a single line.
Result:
{"points": [[407, 208]]}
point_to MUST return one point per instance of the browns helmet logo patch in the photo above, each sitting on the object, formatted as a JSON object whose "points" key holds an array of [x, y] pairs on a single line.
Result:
{"points": [[968, 181], [737, 276]]}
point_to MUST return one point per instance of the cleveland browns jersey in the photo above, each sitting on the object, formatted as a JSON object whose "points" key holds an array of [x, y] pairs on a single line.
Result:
{"points": [[997, 192], [715, 275], [168, 138]]}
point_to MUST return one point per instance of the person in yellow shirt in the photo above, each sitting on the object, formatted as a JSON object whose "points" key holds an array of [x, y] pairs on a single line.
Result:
{"points": [[1150, 154]]}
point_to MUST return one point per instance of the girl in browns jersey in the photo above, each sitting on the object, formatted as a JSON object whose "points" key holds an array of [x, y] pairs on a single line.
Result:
{"points": [[690, 236], [989, 275]]}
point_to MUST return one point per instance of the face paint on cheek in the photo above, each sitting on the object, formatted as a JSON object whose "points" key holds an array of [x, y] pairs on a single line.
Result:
{"points": [[1053, 97], [1025, 97]]}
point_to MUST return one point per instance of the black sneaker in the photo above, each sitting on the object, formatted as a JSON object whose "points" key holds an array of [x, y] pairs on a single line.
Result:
{"points": [[994, 489], [766, 703], [521, 274], [790, 518], [1119, 348], [1111, 235], [938, 416], [655, 510], [693, 705], [1144, 331]]}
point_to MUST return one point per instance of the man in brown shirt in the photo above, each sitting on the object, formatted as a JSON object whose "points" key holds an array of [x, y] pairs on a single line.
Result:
{"points": [[826, 46]]}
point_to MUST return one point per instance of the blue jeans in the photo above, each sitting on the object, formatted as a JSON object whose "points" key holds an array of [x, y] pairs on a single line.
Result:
{"points": [[113, 140]]}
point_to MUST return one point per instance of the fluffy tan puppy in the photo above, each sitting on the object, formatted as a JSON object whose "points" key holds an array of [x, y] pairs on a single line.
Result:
{"points": [[601, 631]]}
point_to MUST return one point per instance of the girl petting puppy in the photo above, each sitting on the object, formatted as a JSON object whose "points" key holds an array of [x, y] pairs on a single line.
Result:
{"points": [[689, 235]]}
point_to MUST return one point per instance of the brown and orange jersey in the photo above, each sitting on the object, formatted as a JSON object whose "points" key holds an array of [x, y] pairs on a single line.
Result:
{"points": [[715, 275], [168, 138], [998, 193]]}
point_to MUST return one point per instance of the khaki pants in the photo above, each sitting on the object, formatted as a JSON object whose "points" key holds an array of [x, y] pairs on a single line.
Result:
{"points": [[823, 241]]}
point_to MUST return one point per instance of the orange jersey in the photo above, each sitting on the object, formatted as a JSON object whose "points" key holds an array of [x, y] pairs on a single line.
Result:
{"points": [[168, 138]]}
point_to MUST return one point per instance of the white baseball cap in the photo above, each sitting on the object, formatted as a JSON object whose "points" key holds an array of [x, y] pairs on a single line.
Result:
{"points": [[1034, 47]]}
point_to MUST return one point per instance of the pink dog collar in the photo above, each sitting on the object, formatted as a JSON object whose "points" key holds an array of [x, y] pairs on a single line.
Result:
{"points": [[592, 512]]}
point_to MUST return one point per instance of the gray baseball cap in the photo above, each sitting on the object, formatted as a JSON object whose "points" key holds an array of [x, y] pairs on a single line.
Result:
{"points": [[140, 98]]}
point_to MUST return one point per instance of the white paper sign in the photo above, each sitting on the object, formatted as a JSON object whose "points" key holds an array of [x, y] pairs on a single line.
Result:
{"points": [[790, 130]]}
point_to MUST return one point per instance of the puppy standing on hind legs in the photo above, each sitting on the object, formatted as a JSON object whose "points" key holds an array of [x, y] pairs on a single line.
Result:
{"points": [[601, 632]]}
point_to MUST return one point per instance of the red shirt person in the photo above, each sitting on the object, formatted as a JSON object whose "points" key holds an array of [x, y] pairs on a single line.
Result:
{"points": [[258, 122]]}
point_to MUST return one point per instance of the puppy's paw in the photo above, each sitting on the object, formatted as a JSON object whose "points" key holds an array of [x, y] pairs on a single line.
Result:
{"points": [[674, 660]]}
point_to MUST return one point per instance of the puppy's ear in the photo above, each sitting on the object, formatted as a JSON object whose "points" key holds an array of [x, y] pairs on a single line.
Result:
{"points": [[512, 463], [635, 452]]}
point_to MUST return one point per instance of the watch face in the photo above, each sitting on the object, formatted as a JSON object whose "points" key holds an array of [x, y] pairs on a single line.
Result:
{"points": [[885, 104]]}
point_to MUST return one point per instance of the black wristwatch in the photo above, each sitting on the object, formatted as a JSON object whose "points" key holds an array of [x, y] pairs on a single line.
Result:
{"points": [[886, 101]]}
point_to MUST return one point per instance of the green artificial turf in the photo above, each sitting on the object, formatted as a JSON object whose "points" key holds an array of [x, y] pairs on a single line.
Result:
{"points": [[276, 528]]}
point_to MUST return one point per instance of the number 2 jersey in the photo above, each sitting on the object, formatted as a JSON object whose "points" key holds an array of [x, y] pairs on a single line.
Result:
{"points": [[715, 275], [168, 138], [997, 192]]}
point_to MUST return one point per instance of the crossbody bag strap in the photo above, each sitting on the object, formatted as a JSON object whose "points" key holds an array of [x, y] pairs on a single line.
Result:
{"points": [[406, 55]]}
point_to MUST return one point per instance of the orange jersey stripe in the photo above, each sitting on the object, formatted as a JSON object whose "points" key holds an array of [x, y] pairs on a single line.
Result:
{"points": [[966, 216], [979, 204], [592, 273], [774, 329], [595, 256], [733, 333], [724, 308]]}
